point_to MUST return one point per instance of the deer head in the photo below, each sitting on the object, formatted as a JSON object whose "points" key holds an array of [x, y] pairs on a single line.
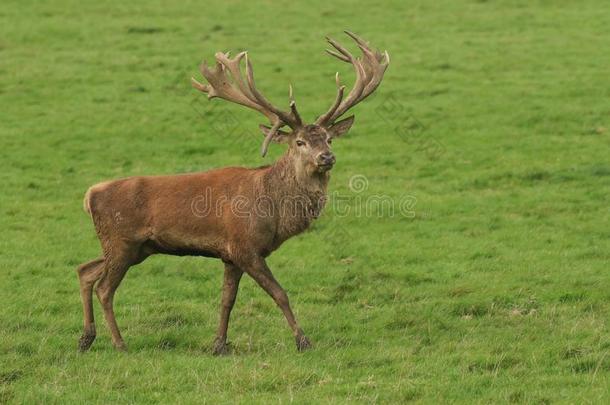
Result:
{"points": [[309, 144]]}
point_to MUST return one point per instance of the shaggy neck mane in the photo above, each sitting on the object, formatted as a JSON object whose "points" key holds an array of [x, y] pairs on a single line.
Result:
{"points": [[285, 178], [301, 195]]}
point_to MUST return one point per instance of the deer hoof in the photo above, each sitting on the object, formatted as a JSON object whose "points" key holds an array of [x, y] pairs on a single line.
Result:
{"points": [[221, 348], [85, 342], [302, 343], [120, 346]]}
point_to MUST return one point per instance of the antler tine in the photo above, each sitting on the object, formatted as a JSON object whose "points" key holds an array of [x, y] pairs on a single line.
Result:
{"points": [[282, 116], [269, 137], [200, 86], [337, 55], [233, 66], [340, 89], [375, 59], [344, 55], [220, 85], [355, 92], [361, 42], [369, 73], [293, 107], [226, 81]]}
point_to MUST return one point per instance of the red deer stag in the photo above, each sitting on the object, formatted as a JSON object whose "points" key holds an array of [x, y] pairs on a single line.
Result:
{"points": [[140, 216]]}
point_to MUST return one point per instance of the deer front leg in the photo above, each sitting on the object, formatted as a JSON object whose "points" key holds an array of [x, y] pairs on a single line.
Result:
{"points": [[229, 292], [260, 272]]}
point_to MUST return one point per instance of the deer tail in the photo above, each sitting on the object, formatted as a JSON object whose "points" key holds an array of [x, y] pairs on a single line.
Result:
{"points": [[87, 201]]}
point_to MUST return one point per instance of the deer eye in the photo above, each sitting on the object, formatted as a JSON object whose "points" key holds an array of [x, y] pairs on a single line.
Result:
{"points": [[300, 143], [330, 141]]}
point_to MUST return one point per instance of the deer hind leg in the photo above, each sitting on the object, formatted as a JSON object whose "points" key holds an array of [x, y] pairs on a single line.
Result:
{"points": [[88, 274], [232, 277], [117, 262], [260, 272]]}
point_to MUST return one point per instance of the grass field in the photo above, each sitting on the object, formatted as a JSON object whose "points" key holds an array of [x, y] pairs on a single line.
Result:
{"points": [[493, 120]]}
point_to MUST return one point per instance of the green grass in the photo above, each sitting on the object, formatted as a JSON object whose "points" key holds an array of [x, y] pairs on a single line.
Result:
{"points": [[494, 116]]}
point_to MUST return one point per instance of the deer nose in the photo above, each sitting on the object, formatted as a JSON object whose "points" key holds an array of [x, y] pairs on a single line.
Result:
{"points": [[326, 158]]}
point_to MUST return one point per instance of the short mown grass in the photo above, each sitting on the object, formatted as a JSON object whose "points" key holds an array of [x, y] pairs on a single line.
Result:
{"points": [[492, 123]]}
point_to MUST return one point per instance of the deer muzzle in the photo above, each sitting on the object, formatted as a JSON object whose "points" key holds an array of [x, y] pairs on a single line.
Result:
{"points": [[326, 160]]}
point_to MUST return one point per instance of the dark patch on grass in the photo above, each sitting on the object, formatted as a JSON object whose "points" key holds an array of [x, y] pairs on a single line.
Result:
{"points": [[119, 385], [583, 366], [138, 89], [492, 366], [573, 352], [384, 295], [590, 365], [572, 297], [381, 276], [174, 320], [522, 304], [592, 307], [400, 323], [157, 269], [198, 150], [9, 377], [414, 260], [442, 66], [432, 93], [481, 255], [424, 326], [480, 183], [600, 171], [24, 349], [494, 224], [460, 291], [167, 343], [526, 179], [410, 395], [216, 28], [516, 397], [414, 279], [348, 284], [68, 171], [474, 310], [144, 30], [535, 176]]}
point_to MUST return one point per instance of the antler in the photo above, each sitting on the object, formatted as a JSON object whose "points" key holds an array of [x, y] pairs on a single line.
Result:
{"points": [[227, 82], [369, 73]]}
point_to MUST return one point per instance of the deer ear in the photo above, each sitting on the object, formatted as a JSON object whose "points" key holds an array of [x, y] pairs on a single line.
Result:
{"points": [[279, 137], [339, 128]]}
